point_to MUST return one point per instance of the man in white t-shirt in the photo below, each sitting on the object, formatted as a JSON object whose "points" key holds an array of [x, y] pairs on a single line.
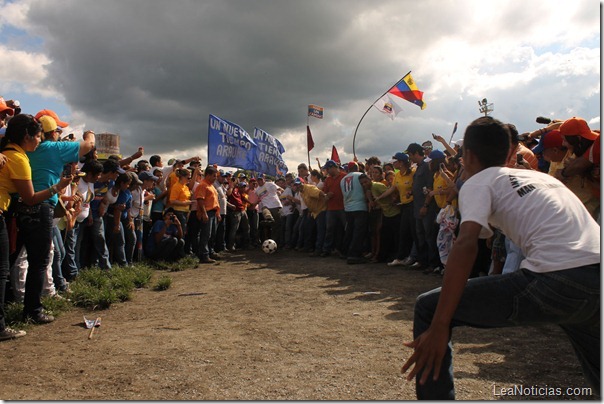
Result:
{"points": [[268, 194], [558, 281]]}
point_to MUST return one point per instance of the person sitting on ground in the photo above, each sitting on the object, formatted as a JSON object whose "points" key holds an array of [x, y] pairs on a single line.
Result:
{"points": [[559, 279], [166, 242]]}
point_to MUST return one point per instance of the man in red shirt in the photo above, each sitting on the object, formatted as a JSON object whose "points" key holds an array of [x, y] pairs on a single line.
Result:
{"points": [[335, 216]]}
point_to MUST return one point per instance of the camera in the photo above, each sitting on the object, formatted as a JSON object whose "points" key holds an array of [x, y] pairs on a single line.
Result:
{"points": [[519, 158]]}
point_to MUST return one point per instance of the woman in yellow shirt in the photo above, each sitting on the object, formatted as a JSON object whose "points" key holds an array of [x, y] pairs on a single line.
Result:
{"points": [[180, 196], [23, 134]]}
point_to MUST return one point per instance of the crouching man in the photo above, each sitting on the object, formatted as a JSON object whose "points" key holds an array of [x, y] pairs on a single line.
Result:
{"points": [[558, 281], [166, 243]]}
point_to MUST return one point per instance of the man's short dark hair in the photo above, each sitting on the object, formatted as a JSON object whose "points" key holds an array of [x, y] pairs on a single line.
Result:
{"points": [[110, 166], [489, 140], [93, 167], [210, 170], [302, 165], [513, 133], [153, 160]]}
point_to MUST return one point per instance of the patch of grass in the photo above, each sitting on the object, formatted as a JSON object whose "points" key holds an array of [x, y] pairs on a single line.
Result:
{"points": [[98, 289], [184, 263], [164, 282]]}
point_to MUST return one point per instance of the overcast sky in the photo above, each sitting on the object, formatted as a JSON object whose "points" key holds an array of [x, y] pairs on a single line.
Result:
{"points": [[153, 71]]}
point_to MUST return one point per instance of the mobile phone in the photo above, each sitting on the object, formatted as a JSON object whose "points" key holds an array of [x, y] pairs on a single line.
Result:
{"points": [[519, 158], [67, 170], [434, 136]]}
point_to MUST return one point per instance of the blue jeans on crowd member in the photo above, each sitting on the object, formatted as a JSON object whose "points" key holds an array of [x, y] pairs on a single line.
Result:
{"points": [[234, 219], [334, 233], [569, 298], [321, 222], [4, 269], [170, 249], [116, 241], [219, 243], [406, 232], [192, 236], [35, 232], [97, 231], [356, 233], [129, 240], [254, 220], [207, 235], [288, 228], [69, 267], [57, 260], [427, 232]]}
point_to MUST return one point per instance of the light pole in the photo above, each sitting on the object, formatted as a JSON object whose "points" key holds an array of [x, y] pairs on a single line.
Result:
{"points": [[484, 107]]}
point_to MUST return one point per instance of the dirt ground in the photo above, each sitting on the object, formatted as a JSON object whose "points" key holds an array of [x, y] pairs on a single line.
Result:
{"points": [[271, 327]]}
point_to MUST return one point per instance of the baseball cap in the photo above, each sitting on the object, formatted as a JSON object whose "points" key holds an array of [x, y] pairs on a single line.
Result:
{"points": [[549, 140], [352, 166], [52, 114], [171, 161], [401, 157], [146, 175], [242, 184], [435, 154], [5, 108], [577, 127], [299, 181], [134, 178], [329, 164], [48, 123]]}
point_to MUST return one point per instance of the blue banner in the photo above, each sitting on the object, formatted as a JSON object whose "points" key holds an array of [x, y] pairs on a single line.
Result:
{"points": [[267, 156], [229, 145]]}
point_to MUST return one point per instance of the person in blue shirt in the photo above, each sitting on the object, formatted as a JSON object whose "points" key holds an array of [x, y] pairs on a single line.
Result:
{"points": [[166, 242], [118, 200], [46, 162], [357, 214]]}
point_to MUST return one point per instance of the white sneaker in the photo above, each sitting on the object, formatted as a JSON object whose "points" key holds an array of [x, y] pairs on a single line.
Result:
{"points": [[408, 261], [395, 263], [9, 333]]}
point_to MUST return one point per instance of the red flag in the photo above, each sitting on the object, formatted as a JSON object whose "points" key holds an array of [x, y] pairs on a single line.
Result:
{"points": [[309, 142], [334, 155]]}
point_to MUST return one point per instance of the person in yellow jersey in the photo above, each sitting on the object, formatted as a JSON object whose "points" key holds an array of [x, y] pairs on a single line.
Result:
{"points": [[403, 186]]}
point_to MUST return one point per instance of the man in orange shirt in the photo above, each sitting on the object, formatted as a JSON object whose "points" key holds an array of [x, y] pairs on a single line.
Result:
{"points": [[208, 213]]}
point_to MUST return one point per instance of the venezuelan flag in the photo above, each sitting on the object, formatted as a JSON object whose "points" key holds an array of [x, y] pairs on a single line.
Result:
{"points": [[407, 90]]}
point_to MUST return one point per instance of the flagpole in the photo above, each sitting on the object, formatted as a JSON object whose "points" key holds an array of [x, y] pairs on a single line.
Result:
{"points": [[452, 134], [357, 128], [307, 150]]}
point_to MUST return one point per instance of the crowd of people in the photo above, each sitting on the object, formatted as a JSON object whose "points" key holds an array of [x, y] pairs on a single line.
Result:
{"points": [[63, 210]]}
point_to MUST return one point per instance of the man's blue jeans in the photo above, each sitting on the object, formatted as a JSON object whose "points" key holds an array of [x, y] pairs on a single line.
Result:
{"points": [[334, 231], [99, 243], [569, 298], [207, 235]]}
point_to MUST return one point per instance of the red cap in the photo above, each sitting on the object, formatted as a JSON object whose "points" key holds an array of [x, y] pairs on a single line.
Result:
{"points": [[577, 127], [5, 108], [52, 114], [353, 165]]}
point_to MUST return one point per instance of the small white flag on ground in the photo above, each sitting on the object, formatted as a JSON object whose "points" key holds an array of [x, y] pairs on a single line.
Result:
{"points": [[388, 106]]}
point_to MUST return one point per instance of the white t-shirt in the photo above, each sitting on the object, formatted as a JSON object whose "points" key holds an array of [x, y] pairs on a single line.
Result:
{"points": [[289, 208], [537, 212], [86, 189], [269, 195]]}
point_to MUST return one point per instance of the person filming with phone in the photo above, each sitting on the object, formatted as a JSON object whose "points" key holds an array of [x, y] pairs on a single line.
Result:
{"points": [[166, 242]]}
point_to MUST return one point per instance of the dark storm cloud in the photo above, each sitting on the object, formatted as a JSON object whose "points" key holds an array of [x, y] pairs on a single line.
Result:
{"points": [[154, 70]]}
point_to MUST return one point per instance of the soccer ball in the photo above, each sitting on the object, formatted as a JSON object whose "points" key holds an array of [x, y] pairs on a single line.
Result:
{"points": [[269, 246]]}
